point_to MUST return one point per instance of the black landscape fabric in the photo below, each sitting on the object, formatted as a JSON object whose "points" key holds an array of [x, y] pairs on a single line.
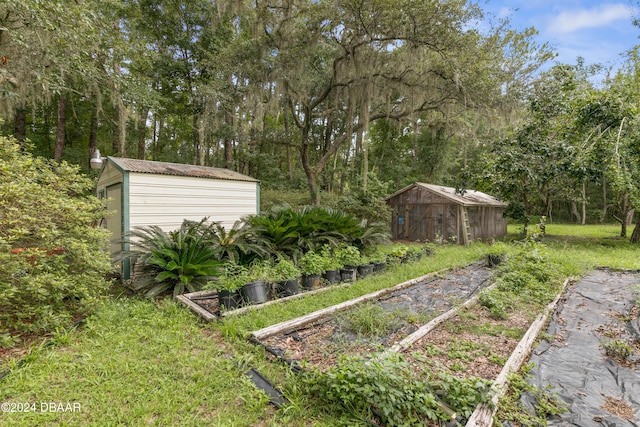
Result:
{"points": [[599, 390]]}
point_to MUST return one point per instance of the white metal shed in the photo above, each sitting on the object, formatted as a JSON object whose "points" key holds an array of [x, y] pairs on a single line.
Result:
{"points": [[143, 193]]}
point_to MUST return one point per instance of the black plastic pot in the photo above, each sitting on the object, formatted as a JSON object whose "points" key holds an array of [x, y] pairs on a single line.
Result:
{"points": [[255, 292], [348, 273], [365, 270], [229, 299], [379, 266], [332, 276], [287, 288], [494, 260], [310, 281]]}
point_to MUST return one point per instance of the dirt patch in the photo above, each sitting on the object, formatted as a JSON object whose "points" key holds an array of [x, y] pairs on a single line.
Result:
{"points": [[618, 407], [471, 344], [376, 326]]}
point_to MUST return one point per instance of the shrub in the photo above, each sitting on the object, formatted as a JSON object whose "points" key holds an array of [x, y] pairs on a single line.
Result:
{"points": [[54, 259], [176, 261], [382, 388], [385, 388]]}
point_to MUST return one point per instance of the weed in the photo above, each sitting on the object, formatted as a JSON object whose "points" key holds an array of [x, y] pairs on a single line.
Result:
{"points": [[369, 320], [617, 349], [513, 409]]}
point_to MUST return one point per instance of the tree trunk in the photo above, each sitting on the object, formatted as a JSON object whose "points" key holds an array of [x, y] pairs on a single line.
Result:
{"points": [[604, 199], [20, 124], [228, 142], [623, 217], [142, 133], [93, 133], [60, 129], [635, 236], [118, 144], [584, 203], [574, 212]]}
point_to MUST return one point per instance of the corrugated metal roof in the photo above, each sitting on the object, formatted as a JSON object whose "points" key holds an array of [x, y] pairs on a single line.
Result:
{"points": [[178, 169], [469, 198]]}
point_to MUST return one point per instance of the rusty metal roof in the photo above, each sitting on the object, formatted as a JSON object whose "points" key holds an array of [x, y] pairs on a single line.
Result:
{"points": [[178, 169], [469, 198]]}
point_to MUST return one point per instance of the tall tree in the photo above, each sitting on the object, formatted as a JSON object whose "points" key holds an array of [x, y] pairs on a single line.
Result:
{"points": [[350, 63]]}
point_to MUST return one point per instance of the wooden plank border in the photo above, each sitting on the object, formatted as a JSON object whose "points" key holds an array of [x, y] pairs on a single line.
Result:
{"points": [[311, 317], [195, 307], [483, 414], [425, 329]]}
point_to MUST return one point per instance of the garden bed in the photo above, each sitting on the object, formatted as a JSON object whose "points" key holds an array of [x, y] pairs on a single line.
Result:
{"points": [[375, 322]]}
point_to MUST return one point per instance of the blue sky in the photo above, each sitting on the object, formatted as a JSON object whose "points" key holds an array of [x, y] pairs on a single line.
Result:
{"points": [[597, 31]]}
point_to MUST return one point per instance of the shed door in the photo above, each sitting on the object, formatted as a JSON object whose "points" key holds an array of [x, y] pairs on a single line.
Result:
{"points": [[114, 220]]}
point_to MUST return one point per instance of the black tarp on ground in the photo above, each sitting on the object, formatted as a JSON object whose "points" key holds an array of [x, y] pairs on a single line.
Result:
{"points": [[596, 310]]}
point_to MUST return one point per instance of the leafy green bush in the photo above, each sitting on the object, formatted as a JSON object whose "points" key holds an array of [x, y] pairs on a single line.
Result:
{"points": [[381, 388], [385, 388], [312, 263], [53, 259], [175, 261], [285, 269]]}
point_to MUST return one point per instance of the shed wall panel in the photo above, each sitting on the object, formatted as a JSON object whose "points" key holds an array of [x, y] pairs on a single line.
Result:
{"points": [[421, 214], [166, 201]]}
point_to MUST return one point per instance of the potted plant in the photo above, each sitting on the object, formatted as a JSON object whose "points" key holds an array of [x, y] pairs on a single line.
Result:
{"points": [[286, 276], [256, 290], [496, 254], [379, 261], [398, 254], [365, 267], [331, 266], [413, 253], [229, 283], [349, 257], [312, 266]]}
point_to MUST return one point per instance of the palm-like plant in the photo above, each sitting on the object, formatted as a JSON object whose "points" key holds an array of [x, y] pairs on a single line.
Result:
{"points": [[240, 244], [177, 261]]}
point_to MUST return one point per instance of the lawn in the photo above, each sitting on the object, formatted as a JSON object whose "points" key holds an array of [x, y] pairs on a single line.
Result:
{"points": [[137, 362]]}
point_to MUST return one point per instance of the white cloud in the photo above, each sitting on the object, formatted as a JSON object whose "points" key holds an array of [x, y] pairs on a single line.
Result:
{"points": [[570, 21]]}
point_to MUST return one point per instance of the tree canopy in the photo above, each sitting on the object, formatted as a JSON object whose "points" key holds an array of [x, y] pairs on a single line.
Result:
{"points": [[327, 96]]}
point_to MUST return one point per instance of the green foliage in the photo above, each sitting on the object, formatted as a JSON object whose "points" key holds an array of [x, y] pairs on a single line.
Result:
{"points": [[347, 255], [512, 408], [617, 349], [312, 263], [176, 261], [530, 275], [383, 388], [369, 320], [386, 388], [291, 233], [285, 269], [239, 244], [231, 277], [53, 258]]}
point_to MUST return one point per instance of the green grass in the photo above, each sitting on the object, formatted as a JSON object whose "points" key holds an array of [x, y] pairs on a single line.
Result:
{"points": [[137, 363]]}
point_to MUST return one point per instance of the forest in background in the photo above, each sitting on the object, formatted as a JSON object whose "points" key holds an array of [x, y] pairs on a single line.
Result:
{"points": [[338, 102]]}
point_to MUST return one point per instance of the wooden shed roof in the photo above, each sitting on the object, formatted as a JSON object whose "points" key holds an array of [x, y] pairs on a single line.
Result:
{"points": [[469, 198], [177, 169]]}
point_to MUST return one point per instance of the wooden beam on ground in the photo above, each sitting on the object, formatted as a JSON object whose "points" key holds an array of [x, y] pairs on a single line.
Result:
{"points": [[425, 329], [196, 308], [483, 415], [311, 317]]}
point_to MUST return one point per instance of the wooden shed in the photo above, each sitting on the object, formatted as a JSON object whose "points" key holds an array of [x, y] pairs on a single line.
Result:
{"points": [[143, 193], [432, 212]]}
